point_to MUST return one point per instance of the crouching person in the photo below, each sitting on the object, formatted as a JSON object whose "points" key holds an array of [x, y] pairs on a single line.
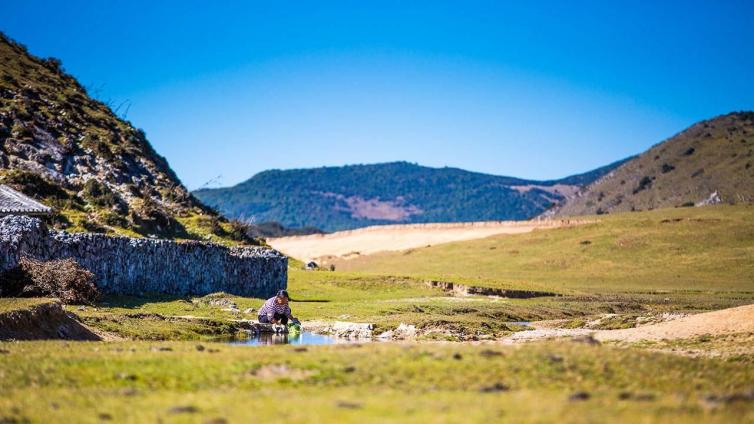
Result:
{"points": [[276, 310]]}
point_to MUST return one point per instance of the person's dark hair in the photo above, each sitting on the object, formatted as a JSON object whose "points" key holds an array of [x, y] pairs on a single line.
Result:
{"points": [[283, 293]]}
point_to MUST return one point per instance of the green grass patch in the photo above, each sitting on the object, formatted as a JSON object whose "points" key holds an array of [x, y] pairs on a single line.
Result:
{"points": [[707, 249], [177, 381]]}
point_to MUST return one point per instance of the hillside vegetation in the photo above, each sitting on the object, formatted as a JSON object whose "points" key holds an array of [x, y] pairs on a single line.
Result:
{"points": [[710, 162], [100, 174], [338, 198], [708, 248]]}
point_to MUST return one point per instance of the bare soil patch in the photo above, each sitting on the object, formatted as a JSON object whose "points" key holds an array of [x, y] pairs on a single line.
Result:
{"points": [[365, 241]]}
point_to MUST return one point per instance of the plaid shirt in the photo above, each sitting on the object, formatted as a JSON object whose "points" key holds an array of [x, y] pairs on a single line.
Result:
{"points": [[271, 307]]}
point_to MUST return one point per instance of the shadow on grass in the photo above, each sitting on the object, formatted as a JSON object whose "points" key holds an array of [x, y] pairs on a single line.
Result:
{"points": [[135, 302]]}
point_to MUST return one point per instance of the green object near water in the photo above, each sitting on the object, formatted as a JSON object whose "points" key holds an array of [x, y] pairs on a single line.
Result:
{"points": [[294, 328]]}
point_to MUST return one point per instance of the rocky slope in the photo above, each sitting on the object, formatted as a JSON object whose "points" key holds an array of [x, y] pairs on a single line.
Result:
{"points": [[71, 151], [710, 162], [339, 198]]}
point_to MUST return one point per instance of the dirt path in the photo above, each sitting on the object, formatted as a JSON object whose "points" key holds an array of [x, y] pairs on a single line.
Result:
{"points": [[364, 241], [726, 321]]}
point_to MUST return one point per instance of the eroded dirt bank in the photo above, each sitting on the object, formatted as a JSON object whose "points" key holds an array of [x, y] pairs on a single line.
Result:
{"points": [[43, 321]]}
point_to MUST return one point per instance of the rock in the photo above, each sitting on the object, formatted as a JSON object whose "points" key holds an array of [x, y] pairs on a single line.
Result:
{"points": [[386, 335], [126, 376], [405, 331], [747, 396], [249, 311], [279, 329], [556, 359], [579, 396], [497, 387], [352, 330], [586, 339], [183, 409], [129, 391], [161, 349], [713, 199], [625, 395], [348, 405], [279, 371]]}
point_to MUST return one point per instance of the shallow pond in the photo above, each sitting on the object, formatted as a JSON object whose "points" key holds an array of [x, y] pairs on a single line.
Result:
{"points": [[303, 338]]}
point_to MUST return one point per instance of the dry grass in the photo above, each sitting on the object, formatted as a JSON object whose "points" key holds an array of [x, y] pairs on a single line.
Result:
{"points": [[64, 279]]}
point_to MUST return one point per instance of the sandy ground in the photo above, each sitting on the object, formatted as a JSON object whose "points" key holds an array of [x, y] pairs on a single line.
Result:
{"points": [[364, 241], [726, 321]]}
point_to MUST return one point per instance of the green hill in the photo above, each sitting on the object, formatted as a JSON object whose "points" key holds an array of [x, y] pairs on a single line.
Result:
{"points": [[97, 171], [710, 162], [707, 248], [337, 198]]}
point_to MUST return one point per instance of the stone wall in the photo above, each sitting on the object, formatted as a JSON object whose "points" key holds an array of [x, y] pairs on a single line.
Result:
{"points": [[125, 265]]}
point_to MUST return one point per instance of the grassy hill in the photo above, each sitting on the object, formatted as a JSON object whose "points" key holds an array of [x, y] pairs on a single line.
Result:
{"points": [[710, 162], [709, 248], [338, 198], [98, 171]]}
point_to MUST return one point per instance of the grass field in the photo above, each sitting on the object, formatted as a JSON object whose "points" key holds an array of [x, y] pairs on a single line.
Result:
{"points": [[707, 249], [168, 364], [182, 382]]}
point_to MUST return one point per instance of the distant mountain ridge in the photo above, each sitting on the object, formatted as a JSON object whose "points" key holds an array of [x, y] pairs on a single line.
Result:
{"points": [[710, 162], [353, 196]]}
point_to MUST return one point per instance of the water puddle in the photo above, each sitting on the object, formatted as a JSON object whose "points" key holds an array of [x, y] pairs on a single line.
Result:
{"points": [[303, 338]]}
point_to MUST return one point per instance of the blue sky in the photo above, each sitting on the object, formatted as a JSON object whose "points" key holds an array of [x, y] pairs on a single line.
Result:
{"points": [[529, 89]]}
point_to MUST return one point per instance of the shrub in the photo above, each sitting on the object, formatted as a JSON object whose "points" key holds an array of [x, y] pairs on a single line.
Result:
{"points": [[99, 194], [212, 224], [33, 185], [244, 232], [667, 168], [152, 219], [643, 184], [63, 278], [54, 64]]}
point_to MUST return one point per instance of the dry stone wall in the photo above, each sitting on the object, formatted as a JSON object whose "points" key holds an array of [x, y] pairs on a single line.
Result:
{"points": [[125, 265]]}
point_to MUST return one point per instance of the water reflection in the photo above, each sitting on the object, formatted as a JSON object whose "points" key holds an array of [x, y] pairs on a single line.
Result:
{"points": [[303, 338]]}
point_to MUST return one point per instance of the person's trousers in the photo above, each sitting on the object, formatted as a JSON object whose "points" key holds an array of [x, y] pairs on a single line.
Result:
{"points": [[280, 317]]}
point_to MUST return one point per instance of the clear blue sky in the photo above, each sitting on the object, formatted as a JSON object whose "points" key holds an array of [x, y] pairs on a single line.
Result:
{"points": [[536, 91]]}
